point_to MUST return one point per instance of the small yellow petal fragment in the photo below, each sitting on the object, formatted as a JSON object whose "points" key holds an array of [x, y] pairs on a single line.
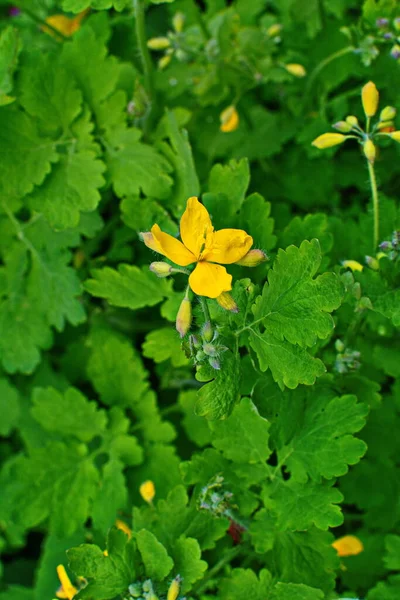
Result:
{"points": [[229, 119], [184, 317], [226, 302], [369, 151], [370, 99], [158, 43], [173, 590], [395, 135], [147, 491], [67, 588], [123, 527], [353, 265], [349, 545], [296, 70], [253, 258], [327, 140]]}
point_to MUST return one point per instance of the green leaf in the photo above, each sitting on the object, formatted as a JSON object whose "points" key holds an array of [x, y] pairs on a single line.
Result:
{"points": [[9, 407], [293, 591], [255, 219], [10, 47], [164, 344], [244, 424], [129, 287], [155, 558], [232, 180], [244, 584], [196, 427], [17, 592], [187, 561], [69, 414], [307, 228], [216, 399], [389, 590], [392, 556]]}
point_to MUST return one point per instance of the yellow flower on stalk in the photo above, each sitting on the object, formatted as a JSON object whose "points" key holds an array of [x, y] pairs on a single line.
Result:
{"points": [[202, 245], [348, 545], [229, 119], [65, 25], [370, 99], [66, 591], [147, 490]]}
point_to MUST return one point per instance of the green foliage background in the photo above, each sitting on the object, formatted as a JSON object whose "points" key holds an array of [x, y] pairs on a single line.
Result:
{"points": [[96, 393]]}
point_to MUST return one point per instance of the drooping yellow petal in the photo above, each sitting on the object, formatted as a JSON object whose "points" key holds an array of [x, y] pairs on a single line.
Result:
{"points": [[172, 248], [196, 227], [229, 246], [123, 527], [148, 238], [229, 119], [349, 545], [68, 590], [210, 280], [370, 99], [64, 24]]}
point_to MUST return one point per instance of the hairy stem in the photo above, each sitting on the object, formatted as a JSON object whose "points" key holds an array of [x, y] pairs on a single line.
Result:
{"points": [[375, 200], [324, 63], [226, 558], [147, 65], [204, 306]]}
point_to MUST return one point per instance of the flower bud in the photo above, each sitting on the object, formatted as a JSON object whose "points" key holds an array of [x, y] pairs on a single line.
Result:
{"points": [[210, 350], [173, 590], [385, 245], [395, 52], [252, 259], [226, 302], [386, 126], [274, 30], [214, 363], [327, 140], [164, 62], [158, 43], [396, 23], [382, 22], [352, 120], [296, 69], [135, 590], [207, 332], [339, 346], [349, 545], [342, 126], [229, 119], [395, 135], [194, 342], [372, 262], [178, 21], [388, 113], [147, 491], [369, 151], [161, 269], [353, 265], [370, 99], [184, 317]]}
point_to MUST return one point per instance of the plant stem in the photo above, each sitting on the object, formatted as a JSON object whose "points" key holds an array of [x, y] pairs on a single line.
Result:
{"points": [[140, 27], [324, 63], [227, 557], [204, 306], [375, 200]]}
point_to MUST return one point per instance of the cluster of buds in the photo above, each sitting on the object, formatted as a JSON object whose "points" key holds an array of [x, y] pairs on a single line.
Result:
{"points": [[351, 129], [205, 347], [347, 360], [215, 499], [145, 590], [170, 44], [391, 248], [389, 31]]}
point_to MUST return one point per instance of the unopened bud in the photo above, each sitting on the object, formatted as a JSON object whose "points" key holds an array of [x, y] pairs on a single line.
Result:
{"points": [[210, 350], [178, 21], [147, 491], [274, 30], [158, 43], [173, 590], [226, 302], [369, 151], [339, 346], [327, 140], [352, 120], [395, 52], [253, 258], [342, 126], [349, 545], [396, 23], [388, 113], [370, 99], [214, 363], [207, 332], [354, 265], [161, 269], [395, 135], [194, 342], [296, 69], [164, 62], [386, 126], [385, 245], [184, 317], [372, 262], [229, 119], [135, 590], [382, 22]]}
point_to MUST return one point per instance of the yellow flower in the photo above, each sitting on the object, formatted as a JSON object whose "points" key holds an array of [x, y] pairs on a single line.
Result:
{"points": [[353, 265], [296, 70], [370, 99], [349, 545], [204, 246], [67, 590], [147, 490], [65, 25], [229, 119], [327, 140]]}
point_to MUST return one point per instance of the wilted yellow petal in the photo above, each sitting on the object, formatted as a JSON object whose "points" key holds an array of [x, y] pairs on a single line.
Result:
{"points": [[226, 301], [370, 99], [147, 491], [123, 527], [210, 280], [68, 590], [327, 140], [349, 545], [229, 119]]}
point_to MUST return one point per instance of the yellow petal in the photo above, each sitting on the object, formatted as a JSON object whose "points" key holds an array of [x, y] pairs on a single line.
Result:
{"points": [[148, 238], [354, 265], [147, 490], [68, 589], [395, 136], [349, 545], [229, 119], [229, 246], [327, 140], [196, 227], [123, 527], [210, 280], [172, 248], [370, 99]]}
